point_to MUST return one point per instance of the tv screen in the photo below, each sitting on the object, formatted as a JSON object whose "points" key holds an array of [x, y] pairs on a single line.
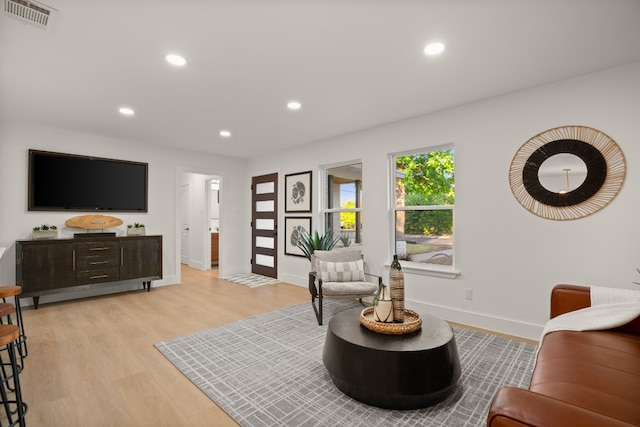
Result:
{"points": [[61, 182]]}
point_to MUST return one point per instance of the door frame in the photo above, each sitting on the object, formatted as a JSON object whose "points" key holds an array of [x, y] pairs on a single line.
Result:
{"points": [[203, 233], [208, 181], [184, 223]]}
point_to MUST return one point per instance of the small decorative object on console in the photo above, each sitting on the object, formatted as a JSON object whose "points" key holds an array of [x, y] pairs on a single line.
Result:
{"points": [[136, 229], [44, 232], [93, 222]]}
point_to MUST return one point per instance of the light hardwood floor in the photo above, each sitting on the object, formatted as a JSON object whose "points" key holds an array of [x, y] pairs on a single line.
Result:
{"points": [[92, 362]]}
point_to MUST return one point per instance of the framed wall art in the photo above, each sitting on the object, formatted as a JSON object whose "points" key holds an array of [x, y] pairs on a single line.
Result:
{"points": [[298, 192], [294, 227]]}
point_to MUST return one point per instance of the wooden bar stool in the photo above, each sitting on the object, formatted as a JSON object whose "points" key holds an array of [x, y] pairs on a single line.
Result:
{"points": [[15, 409], [7, 310], [15, 291]]}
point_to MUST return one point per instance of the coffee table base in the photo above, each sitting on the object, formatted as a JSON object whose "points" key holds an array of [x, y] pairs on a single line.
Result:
{"points": [[389, 401]]}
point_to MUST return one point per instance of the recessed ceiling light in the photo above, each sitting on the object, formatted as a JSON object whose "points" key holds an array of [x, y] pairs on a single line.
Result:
{"points": [[434, 48], [294, 105], [225, 133], [176, 60], [126, 111]]}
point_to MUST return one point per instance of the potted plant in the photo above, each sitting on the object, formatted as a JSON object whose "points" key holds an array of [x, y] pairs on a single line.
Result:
{"points": [[345, 240], [136, 229], [44, 231], [308, 244]]}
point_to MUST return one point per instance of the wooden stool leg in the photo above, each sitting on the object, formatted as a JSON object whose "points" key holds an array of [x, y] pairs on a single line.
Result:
{"points": [[20, 406], [3, 395], [22, 341], [7, 311], [9, 337]]}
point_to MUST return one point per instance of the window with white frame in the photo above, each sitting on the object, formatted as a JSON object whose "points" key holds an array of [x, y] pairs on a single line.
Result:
{"points": [[423, 206], [342, 202]]}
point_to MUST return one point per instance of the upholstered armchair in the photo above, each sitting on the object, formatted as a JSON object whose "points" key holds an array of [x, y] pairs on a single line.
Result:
{"points": [[339, 274]]}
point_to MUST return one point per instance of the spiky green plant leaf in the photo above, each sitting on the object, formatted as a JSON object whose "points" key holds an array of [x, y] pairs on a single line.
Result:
{"points": [[308, 243]]}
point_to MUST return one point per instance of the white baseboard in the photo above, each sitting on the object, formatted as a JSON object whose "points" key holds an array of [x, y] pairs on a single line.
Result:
{"points": [[480, 320], [197, 265], [294, 280]]}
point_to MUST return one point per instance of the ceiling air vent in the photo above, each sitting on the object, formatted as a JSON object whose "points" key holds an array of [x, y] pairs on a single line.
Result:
{"points": [[30, 12]]}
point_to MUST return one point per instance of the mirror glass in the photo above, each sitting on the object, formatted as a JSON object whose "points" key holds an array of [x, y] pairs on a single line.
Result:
{"points": [[562, 173]]}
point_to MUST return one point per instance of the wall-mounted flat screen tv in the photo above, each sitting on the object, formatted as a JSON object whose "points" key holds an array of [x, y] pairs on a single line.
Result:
{"points": [[69, 182]]}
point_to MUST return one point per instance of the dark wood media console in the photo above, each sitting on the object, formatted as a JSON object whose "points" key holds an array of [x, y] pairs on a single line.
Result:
{"points": [[45, 267]]}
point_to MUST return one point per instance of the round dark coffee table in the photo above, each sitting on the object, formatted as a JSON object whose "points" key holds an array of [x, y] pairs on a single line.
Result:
{"points": [[392, 371]]}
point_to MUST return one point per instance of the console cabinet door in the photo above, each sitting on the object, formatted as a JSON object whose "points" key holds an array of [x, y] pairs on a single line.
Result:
{"points": [[46, 266], [140, 258]]}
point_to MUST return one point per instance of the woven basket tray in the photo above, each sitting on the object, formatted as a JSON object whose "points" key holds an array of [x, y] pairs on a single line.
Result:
{"points": [[412, 322]]}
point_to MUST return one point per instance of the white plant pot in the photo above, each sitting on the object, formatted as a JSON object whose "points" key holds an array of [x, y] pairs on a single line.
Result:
{"points": [[44, 234], [140, 231]]}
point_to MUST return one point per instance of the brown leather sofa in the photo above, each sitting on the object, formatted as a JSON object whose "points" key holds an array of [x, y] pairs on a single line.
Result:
{"points": [[587, 378]]}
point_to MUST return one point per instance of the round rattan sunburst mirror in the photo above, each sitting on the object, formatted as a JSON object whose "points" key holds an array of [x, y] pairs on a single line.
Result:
{"points": [[604, 173]]}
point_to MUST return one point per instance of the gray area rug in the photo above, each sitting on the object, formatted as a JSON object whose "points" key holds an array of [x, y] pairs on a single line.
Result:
{"points": [[267, 370]]}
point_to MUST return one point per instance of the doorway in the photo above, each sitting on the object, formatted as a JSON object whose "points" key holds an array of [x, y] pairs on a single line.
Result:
{"points": [[200, 219], [213, 185]]}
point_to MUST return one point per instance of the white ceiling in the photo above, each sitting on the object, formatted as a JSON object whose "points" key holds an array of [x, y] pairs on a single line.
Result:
{"points": [[354, 64]]}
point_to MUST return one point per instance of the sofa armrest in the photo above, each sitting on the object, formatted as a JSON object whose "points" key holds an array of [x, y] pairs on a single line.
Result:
{"points": [[566, 298], [513, 406]]}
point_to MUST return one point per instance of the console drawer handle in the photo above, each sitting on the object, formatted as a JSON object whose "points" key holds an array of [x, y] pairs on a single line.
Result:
{"points": [[98, 262], [105, 248], [101, 276]]}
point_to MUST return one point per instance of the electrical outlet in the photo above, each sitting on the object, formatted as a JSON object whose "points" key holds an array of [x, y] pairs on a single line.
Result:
{"points": [[468, 294]]}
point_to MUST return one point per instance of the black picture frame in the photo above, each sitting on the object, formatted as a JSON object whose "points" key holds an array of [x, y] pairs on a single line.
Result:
{"points": [[298, 192], [293, 226]]}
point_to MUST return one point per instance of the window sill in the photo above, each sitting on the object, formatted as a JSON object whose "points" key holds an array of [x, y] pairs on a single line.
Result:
{"points": [[416, 268]]}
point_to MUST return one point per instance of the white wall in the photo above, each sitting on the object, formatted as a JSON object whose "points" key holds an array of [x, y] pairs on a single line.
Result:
{"points": [[165, 167], [509, 257]]}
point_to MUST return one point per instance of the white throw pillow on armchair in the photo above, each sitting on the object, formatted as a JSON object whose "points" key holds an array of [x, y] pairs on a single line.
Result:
{"points": [[346, 271]]}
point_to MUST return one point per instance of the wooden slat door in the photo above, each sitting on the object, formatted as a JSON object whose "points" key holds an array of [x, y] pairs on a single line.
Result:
{"points": [[264, 224]]}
